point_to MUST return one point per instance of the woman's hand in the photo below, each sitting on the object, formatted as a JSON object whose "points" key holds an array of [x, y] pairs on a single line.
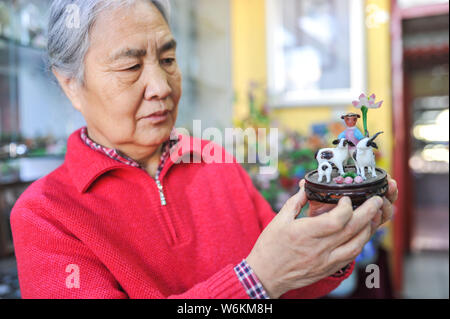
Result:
{"points": [[317, 208], [293, 253]]}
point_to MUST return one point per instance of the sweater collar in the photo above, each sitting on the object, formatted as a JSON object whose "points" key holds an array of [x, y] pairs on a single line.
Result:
{"points": [[86, 165]]}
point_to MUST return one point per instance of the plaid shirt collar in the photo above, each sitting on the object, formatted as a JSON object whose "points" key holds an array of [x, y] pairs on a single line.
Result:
{"points": [[122, 158]]}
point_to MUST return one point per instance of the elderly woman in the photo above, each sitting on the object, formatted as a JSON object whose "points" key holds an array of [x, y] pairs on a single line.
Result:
{"points": [[126, 216]]}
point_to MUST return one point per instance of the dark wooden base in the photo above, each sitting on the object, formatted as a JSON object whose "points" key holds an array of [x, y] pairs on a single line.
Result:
{"points": [[331, 193]]}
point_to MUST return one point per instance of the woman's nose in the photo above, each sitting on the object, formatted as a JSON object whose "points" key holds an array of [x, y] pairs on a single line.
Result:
{"points": [[157, 85]]}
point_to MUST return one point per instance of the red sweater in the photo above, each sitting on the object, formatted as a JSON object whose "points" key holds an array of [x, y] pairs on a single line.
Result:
{"points": [[103, 221]]}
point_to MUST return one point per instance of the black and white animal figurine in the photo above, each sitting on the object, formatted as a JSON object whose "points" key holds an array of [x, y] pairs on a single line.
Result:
{"points": [[364, 157], [325, 170], [337, 156]]}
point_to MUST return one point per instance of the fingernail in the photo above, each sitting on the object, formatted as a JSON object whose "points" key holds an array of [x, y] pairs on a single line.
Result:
{"points": [[379, 201], [346, 200]]}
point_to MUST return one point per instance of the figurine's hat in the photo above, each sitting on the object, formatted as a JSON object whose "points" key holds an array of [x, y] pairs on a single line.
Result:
{"points": [[350, 115]]}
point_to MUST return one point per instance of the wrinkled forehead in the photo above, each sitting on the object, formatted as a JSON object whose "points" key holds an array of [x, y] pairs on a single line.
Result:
{"points": [[140, 26], [129, 19]]}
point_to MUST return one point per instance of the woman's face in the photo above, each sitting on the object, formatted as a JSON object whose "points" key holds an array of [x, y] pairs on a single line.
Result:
{"points": [[131, 72]]}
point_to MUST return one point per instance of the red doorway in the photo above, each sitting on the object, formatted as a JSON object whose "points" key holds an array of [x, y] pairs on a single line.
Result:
{"points": [[412, 62]]}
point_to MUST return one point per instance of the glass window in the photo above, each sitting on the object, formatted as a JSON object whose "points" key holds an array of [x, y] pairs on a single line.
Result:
{"points": [[315, 51], [32, 106], [202, 29]]}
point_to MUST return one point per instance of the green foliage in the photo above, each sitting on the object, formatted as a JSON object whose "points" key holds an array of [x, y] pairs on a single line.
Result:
{"points": [[350, 174]]}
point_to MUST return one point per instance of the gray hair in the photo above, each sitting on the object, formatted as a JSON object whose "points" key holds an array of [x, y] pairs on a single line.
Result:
{"points": [[68, 39]]}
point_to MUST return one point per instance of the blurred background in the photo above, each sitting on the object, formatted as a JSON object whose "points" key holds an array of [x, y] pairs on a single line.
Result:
{"points": [[291, 64]]}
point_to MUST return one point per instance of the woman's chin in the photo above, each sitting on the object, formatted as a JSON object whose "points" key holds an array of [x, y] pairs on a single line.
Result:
{"points": [[155, 134]]}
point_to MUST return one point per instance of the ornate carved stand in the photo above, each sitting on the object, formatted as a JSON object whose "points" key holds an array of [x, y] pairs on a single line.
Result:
{"points": [[332, 192]]}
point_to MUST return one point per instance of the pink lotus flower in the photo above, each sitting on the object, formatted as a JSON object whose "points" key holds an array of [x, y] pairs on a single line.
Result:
{"points": [[368, 102], [348, 180], [339, 180], [358, 180], [365, 103]]}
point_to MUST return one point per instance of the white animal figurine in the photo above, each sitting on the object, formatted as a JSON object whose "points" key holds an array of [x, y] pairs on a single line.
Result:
{"points": [[364, 157], [337, 156], [325, 169]]}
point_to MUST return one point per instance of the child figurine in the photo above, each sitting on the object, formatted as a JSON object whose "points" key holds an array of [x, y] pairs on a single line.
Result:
{"points": [[351, 133], [333, 179]]}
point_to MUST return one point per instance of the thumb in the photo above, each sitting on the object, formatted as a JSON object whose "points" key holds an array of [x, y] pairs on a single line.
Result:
{"points": [[293, 205]]}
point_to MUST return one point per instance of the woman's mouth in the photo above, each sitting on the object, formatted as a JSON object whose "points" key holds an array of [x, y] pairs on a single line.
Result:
{"points": [[157, 117]]}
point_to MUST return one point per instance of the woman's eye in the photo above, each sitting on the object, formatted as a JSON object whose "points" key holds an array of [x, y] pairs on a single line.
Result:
{"points": [[167, 62], [134, 68]]}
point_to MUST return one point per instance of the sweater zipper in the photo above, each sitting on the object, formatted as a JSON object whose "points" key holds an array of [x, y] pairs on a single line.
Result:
{"points": [[162, 197], [165, 215], [173, 239]]}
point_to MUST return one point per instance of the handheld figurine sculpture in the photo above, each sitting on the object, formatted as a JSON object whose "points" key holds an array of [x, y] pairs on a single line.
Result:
{"points": [[349, 180], [365, 103], [325, 169], [364, 156], [351, 133], [337, 156]]}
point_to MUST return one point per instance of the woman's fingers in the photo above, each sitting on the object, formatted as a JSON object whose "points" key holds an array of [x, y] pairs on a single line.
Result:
{"points": [[359, 230], [293, 205], [302, 183], [349, 250], [332, 222], [377, 221], [388, 211], [363, 217], [392, 193]]}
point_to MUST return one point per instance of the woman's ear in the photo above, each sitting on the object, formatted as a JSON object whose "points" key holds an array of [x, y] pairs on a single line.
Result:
{"points": [[71, 88]]}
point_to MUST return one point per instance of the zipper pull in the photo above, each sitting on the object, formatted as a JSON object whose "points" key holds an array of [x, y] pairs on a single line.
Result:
{"points": [[161, 192]]}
